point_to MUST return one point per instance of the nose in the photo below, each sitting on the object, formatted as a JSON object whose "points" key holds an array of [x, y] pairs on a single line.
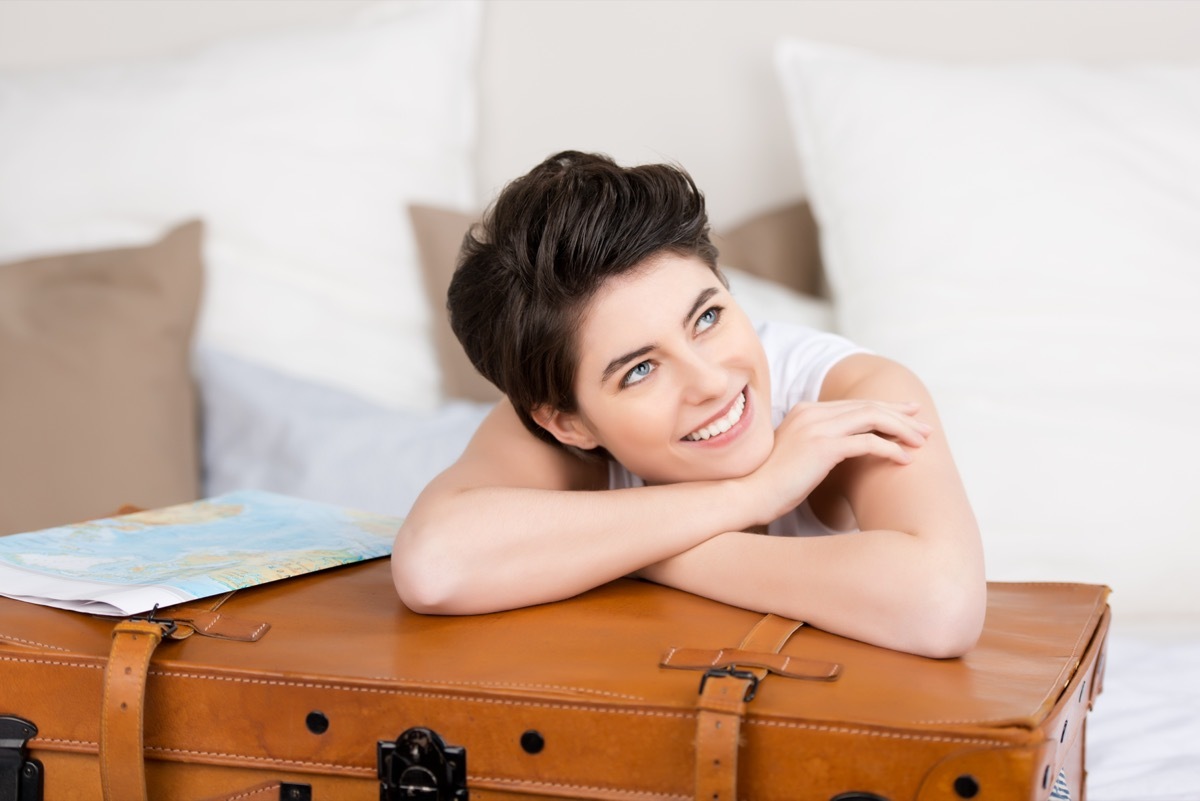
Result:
{"points": [[704, 378]]}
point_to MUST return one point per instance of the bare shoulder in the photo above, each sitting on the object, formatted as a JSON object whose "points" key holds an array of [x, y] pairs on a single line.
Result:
{"points": [[927, 493], [503, 453], [871, 377]]}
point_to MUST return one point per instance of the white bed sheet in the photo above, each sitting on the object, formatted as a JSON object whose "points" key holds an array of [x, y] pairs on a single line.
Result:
{"points": [[1144, 730]]}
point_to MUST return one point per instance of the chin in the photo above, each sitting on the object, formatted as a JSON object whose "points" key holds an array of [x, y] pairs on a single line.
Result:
{"points": [[727, 471], [726, 466]]}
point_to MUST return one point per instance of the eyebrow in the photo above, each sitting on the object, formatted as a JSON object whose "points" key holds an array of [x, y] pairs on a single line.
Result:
{"points": [[701, 299], [619, 362], [624, 359]]}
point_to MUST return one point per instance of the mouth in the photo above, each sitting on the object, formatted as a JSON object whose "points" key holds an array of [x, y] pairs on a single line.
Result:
{"points": [[722, 424]]}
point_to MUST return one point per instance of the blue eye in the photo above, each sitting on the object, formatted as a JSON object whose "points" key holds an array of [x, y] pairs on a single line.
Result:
{"points": [[638, 373], [708, 319]]}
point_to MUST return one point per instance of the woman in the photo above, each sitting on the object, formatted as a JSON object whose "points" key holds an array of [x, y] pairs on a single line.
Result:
{"points": [[650, 429]]}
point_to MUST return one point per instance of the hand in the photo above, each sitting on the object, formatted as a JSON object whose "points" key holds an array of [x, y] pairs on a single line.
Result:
{"points": [[816, 437]]}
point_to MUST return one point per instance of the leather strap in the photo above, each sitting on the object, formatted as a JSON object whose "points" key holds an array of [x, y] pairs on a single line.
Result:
{"points": [[718, 726], [122, 714], [210, 623], [770, 634], [724, 692], [122, 761]]}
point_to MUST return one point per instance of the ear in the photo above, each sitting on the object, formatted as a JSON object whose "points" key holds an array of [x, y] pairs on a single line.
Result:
{"points": [[566, 427]]}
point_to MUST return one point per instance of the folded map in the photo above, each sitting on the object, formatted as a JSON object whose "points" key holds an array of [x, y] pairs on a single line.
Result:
{"points": [[129, 564]]}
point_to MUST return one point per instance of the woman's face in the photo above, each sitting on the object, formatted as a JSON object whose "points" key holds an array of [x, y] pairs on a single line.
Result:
{"points": [[672, 378]]}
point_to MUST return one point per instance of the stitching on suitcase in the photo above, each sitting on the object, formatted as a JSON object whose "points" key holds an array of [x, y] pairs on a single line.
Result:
{"points": [[50, 662], [350, 688], [419, 694], [61, 741], [314, 685], [932, 738], [211, 623], [217, 617], [717, 656], [270, 788], [7, 638], [512, 685], [247, 758]]}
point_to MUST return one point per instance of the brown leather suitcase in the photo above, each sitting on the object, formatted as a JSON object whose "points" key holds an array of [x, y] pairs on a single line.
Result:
{"points": [[350, 696]]}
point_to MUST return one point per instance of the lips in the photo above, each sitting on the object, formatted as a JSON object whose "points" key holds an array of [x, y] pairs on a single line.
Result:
{"points": [[719, 426]]}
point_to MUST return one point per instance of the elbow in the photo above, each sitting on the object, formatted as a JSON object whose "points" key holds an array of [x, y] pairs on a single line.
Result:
{"points": [[952, 619], [423, 574], [953, 639]]}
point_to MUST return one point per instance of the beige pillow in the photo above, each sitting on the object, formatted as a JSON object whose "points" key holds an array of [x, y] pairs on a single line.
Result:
{"points": [[779, 245], [97, 405], [439, 233]]}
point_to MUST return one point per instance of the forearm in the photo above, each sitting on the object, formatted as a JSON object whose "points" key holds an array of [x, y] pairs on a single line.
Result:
{"points": [[897, 590], [490, 548]]}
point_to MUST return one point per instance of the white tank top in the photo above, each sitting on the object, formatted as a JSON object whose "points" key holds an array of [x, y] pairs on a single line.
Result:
{"points": [[798, 359]]}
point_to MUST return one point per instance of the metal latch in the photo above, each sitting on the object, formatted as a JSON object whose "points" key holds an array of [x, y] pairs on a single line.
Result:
{"points": [[730, 671], [20, 775], [419, 765]]}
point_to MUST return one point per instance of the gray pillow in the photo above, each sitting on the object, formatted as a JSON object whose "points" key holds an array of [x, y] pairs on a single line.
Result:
{"points": [[270, 431]]}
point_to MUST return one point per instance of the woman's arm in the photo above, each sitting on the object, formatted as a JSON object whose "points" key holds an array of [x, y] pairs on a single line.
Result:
{"points": [[911, 579], [517, 522]]}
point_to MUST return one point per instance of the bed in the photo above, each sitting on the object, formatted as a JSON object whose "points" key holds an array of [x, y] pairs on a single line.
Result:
{"points": [[225, 269]]}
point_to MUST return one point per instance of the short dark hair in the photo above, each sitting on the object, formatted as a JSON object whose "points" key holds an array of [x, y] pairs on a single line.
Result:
{"points": [[543, 249]]}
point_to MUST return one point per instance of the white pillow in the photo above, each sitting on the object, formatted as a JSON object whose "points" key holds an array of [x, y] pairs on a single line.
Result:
{"points": [[1027, 238], [299, 149], [768, 301]]}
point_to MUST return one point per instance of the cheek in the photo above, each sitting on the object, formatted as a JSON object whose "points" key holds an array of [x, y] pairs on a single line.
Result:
{"points": [[640, 425], [638, 435]]}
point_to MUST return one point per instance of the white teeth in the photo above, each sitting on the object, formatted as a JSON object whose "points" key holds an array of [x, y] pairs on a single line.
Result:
{"points": [[724, 424]]}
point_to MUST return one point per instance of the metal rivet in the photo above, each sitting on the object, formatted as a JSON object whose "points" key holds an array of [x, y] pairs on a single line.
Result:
{"points": [[966, 786], [533, 742], [316, 722]]}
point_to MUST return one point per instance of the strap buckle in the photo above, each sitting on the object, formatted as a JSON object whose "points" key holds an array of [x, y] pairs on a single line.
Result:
{"points": [[732, 672], [169, 626]]}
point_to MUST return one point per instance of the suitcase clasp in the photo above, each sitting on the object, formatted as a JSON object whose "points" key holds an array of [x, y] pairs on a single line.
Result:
{"points": [[20, 775], [419, 765]]}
